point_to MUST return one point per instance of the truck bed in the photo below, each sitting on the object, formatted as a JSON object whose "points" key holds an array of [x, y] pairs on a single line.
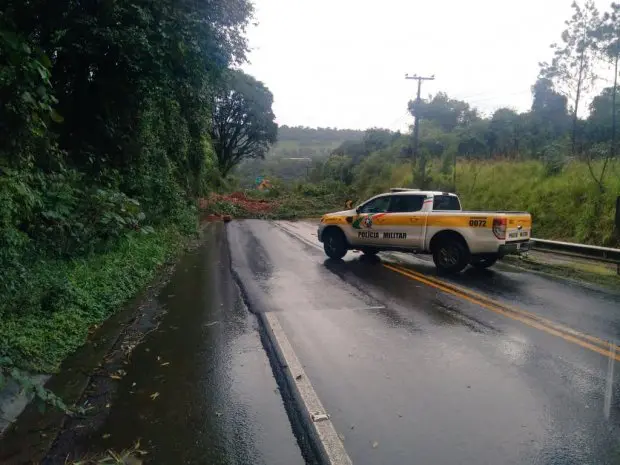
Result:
{"points": [[487, 212]]}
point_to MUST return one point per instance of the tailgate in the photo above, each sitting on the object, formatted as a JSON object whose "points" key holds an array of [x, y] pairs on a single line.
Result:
{"points": [[518, 227]]}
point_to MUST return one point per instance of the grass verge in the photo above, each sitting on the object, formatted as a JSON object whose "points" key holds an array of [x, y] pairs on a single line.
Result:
{"points": [[73, 296], [589, 272]]}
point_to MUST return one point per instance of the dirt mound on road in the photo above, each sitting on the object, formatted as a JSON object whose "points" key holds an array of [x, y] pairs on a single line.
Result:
{"points": [[235, 204]]}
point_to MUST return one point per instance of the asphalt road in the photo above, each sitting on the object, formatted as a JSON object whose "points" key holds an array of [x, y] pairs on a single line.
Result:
{"points": [[495, 367], [200, 388]]}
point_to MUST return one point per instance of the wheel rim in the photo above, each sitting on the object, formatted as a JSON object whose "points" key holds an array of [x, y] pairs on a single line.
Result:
{"points": [[448, 256]]}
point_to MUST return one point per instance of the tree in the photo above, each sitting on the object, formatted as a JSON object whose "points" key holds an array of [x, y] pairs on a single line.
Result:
{"points": [[600, 121], [242, 121], [448, 113], [503, 135], [603, 110], [472, 141], [548, 119], [572, 67], [377, 139]]}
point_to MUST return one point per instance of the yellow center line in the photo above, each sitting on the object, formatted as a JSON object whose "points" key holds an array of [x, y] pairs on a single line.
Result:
{"points": [[496, 308], [545, 321]]}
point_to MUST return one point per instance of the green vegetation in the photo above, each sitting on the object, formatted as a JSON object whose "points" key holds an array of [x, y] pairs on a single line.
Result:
{"points": [[51, 316], [291, 157], [106, 142], [565, 204], [595, 273], [242, 124]]}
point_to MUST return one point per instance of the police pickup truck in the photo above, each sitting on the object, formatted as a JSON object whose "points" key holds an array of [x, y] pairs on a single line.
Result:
{"points": [[411, 220]]}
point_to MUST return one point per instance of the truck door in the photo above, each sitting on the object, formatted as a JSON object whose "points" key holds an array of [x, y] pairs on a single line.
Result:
{"points": [[403, 223], [364, 226]]}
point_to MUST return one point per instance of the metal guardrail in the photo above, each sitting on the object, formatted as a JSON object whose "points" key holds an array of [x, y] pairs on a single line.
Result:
{"points": [[591, 252]]}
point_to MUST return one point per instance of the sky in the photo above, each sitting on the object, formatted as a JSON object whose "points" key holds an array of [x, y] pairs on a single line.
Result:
{"points": [[342, 63]]}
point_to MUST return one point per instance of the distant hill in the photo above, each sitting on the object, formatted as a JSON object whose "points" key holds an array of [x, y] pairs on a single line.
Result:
{"points": [[286, 160], [299, 141]]}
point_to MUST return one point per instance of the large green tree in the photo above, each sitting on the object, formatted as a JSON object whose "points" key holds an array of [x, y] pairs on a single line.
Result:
{"points": [[242, 122], [446, 112]]}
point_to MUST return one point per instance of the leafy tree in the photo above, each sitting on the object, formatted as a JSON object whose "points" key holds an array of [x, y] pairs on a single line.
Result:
{"points": [[472, 139], [503, 135], [377, 139], [599, 122], [573, 64], [550, 108], [448, 113], [104, 112], [242, 122], [548, 119]]}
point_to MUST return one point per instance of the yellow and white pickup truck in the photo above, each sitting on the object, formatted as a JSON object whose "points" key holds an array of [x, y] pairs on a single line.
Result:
{"points": [[411, 220]]}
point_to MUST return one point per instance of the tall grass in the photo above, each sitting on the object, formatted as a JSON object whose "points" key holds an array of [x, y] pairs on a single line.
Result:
{"points": [[567, 205], [565, 202]]}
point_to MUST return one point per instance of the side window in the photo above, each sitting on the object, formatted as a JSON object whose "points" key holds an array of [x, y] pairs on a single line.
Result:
{"points": [[446, 202], [406, 203], [378, 205]]}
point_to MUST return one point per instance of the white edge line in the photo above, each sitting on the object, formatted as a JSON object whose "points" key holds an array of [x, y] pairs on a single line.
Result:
{"points": [[323, 431]]}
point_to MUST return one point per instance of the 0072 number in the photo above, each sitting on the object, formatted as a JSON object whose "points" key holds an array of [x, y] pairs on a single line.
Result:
{"points": [[478, 223]]}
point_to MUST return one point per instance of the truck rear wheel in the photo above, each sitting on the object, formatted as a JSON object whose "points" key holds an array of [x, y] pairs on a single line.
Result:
{"points": [[450, 255], [484, 261], [334, 244]]}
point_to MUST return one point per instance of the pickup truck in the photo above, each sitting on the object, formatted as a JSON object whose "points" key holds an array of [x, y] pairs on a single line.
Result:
{"points": [[411, 220]]}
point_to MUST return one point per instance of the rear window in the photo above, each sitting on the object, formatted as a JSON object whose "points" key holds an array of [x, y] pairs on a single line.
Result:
{"points": [[446, 202], [406, 203]]}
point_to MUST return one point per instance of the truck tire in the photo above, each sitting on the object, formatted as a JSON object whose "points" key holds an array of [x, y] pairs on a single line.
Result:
{"points": [[450, 255], [371, 251], [334, 244], [484, 261]]}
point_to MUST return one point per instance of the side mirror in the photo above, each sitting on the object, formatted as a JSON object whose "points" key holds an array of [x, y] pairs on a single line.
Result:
{"points": [[357, 210]]}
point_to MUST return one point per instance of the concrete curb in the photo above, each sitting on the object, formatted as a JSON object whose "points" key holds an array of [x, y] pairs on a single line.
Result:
{"points": [[315, 418], [306, 412]]}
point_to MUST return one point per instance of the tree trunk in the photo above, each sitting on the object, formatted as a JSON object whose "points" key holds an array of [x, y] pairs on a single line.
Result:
{"points": [[577, 97]]}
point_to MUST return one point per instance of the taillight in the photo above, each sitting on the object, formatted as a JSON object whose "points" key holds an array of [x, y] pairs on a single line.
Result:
{"points": [[499, 228]]}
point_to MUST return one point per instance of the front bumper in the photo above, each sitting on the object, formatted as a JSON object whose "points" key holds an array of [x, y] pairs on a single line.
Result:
{"points": [[514, 248]]}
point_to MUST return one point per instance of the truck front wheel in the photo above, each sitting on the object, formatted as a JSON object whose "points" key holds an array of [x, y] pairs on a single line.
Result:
{"points": [[484, 261], [450, 256], [334, 244]]}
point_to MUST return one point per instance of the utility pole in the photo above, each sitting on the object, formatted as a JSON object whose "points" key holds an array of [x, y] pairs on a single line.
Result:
{"points": [[416, 126], [612, 149]]}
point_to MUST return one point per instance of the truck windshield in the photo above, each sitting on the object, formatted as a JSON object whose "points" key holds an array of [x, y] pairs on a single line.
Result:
{"points": [[446, 202]]}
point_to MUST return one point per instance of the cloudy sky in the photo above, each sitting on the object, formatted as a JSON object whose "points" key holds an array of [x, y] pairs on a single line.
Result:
{"points": [[341, 63]]}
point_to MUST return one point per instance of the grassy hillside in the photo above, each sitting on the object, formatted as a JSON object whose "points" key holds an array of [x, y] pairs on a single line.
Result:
{"points": [[291, 157], [566, 205]]}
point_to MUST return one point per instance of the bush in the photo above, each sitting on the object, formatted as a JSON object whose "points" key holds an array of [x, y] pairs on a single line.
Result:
{"points": [[48, 316]]}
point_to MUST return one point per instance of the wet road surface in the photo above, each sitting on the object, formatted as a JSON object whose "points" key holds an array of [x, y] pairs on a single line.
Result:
{"points": [[516, 369], [200, 389]]}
